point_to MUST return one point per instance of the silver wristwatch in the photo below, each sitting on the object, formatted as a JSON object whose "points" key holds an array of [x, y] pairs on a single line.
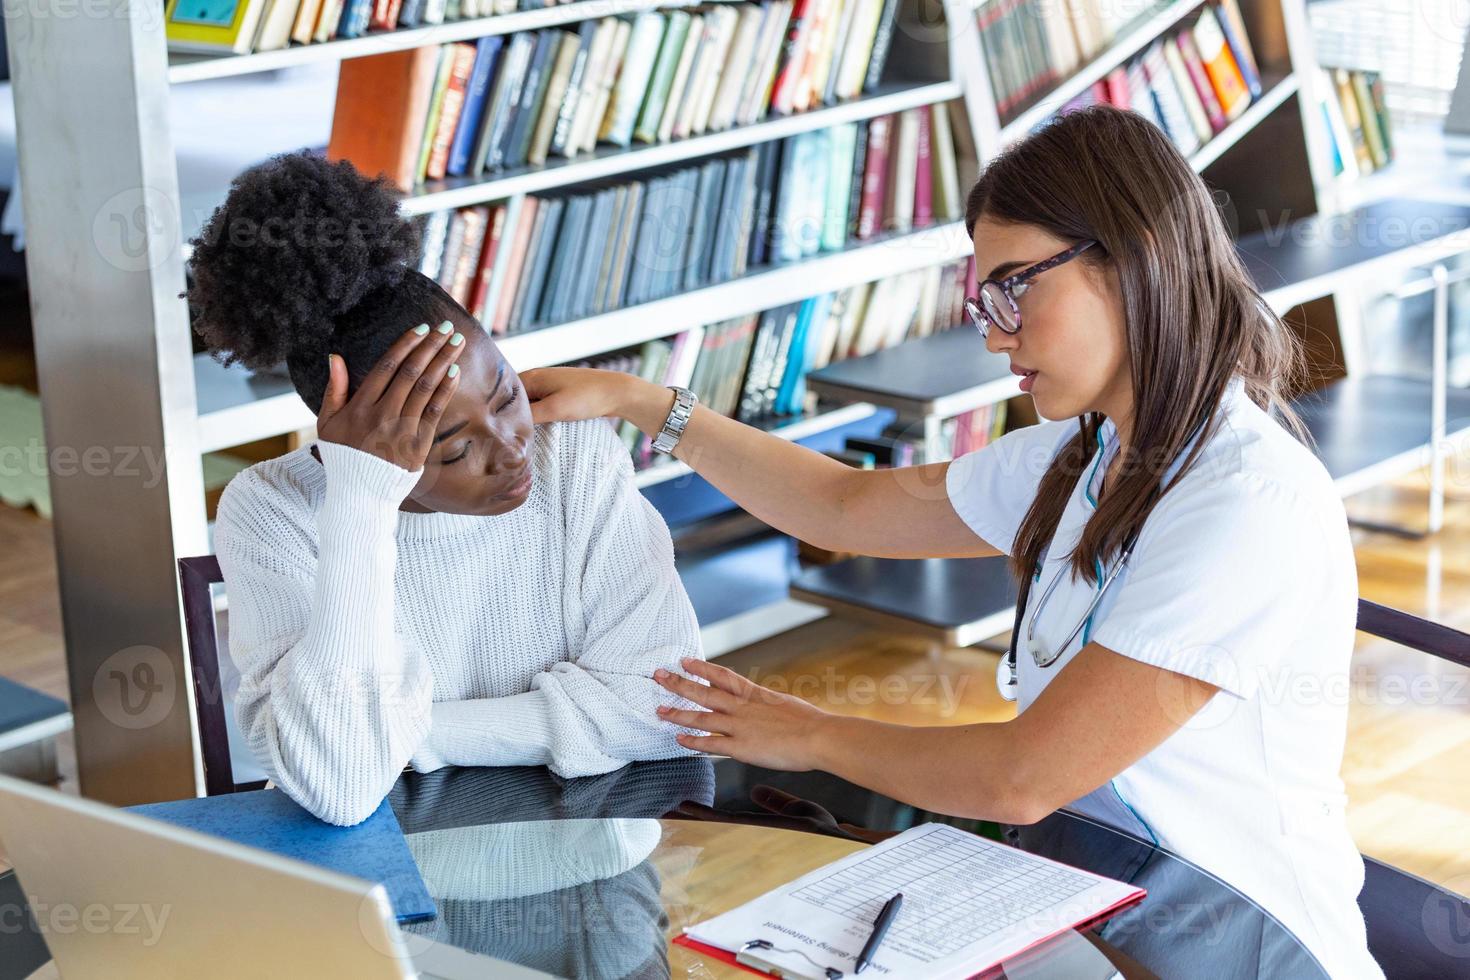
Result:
{"points": [[668, 437]]}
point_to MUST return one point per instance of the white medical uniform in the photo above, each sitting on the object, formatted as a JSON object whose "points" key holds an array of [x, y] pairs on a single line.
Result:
{"points": [[1243, 576]]}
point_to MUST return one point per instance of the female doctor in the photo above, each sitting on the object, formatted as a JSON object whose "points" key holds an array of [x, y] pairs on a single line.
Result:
{"points": [[1191, 583]]}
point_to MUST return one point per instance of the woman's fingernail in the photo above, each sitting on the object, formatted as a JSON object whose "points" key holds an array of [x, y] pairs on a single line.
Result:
{"points": [[421, 329], [456, 340], [446, 327], [661, 709], [660, 673], [454, 370]]}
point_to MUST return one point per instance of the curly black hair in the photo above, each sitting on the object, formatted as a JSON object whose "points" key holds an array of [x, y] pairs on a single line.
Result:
{"points": [[307, 257]]}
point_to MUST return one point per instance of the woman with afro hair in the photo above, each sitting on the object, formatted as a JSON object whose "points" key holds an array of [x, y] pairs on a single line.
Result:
{"points": [[435, 580]]}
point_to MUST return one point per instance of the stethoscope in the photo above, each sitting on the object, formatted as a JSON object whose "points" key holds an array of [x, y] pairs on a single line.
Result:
{"points": [[1005, 672]]}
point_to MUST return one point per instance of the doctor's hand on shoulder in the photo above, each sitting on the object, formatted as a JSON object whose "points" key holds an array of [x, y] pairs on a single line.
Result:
{"points": [[567, 394]]}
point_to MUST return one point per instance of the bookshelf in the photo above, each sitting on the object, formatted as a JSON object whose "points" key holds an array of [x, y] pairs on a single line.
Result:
{"points": [[113, 75]]}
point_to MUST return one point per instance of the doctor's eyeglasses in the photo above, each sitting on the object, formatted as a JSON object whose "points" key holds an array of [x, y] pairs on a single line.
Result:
{"points": [[997, 302]]}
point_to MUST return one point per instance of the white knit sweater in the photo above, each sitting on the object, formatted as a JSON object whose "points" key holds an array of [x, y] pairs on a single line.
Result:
{"points": [[368, 638]]}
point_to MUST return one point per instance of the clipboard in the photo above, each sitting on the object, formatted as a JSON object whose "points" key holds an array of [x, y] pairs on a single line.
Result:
{"points": [[812, 928]]}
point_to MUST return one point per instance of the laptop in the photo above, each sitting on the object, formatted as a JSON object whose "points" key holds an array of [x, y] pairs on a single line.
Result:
{"points": [[118, 895]]}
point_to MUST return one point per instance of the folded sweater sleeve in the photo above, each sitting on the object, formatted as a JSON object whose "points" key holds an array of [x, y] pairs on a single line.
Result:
{"points": [[333, 701], [627, 614]]}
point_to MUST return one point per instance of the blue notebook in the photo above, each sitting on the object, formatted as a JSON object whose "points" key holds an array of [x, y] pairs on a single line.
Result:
{"points": [[272, 821]]}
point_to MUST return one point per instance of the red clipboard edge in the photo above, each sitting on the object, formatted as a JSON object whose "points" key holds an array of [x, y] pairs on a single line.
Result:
{"points": [[1127, 902], [714, 952]]}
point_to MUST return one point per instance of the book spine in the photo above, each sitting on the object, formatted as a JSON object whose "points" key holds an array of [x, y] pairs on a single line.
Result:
{"points": [[1202, 86], [463, 61], [871, 211], [480, 290], [1233, 25], [567, 112], [1220, 65], [882, 42], [923, 172], [462, 150]]}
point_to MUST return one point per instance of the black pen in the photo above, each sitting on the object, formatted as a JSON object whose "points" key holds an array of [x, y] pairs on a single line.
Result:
{"points": [[880, 928]]}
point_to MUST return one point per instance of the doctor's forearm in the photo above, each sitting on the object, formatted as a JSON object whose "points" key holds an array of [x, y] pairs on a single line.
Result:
{"points": [[959, 770], [789, 487], [888, 513]]}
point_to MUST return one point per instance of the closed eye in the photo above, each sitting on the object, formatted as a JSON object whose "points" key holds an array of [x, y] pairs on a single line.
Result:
{"points": [[463, 453], [515, 392]]}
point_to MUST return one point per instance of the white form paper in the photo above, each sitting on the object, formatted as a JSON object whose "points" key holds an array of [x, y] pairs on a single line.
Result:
{"points": [[968, 903]]}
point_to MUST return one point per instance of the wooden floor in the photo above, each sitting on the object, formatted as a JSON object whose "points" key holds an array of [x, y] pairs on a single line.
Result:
{"points": [[1409, 733]]}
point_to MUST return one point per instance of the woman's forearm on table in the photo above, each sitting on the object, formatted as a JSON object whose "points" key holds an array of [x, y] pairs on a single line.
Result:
{"points": [[959, 770]]}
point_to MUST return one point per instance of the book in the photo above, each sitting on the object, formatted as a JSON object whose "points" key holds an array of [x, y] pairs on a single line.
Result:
{"points": [[306, 19], [381, 111], [923, 168], [1173, 113], [1193, 64], [1372, 130], [870, 221], [461, 58], [839, 186], [681, 88], [900, 181], [473, 240], [576, 84], [505, 285], [327, 21], [567, 52], [274, 32], [1220, 65], [1233, 25], [504, 95], [268, 819], [229, 30], [425, 142], [882, 42], [1345, 161], [477, 90], [632, 83], [603, 94], [948, 204], [533, 91], [385, 15], [666, 62], [1188, 95], [490, 258]]}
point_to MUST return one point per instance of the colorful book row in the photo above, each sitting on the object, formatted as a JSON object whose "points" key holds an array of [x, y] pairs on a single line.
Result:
{"points": [[1357, 121], [516, 100], [537, 260], [1191, 83], [1032, 45]]}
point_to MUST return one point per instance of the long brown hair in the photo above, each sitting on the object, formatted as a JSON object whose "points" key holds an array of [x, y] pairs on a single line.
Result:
{"points": [[1194, 318]]}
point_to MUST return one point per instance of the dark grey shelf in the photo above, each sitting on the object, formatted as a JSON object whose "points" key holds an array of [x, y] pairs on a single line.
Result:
{"points": [[944, 374], [1313, 257], [958, 600], [1376, 427]]}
